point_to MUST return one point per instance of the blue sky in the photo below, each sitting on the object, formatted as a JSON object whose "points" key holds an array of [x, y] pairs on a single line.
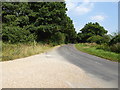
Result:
{"points": [[106, 13]]}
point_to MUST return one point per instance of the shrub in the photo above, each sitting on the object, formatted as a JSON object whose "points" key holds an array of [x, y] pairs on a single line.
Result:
{"points": [[104, 47], [16, 34], [95, 39], [115, 40], [115, 48], [112, 48], [58, 38], [98, 39]]}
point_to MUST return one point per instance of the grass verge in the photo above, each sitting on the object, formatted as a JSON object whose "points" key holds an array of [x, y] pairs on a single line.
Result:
{"points": [[15, 51], [92, 49]]}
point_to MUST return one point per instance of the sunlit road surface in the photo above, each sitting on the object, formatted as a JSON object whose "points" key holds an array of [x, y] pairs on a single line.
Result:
{"points": [[62, 67]]}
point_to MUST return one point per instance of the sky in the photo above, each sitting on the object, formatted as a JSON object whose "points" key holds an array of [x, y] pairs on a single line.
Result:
{"points": [[84, 11]]}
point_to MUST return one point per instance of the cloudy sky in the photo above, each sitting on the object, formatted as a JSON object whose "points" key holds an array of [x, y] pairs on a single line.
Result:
{"points": [[84, 11]]}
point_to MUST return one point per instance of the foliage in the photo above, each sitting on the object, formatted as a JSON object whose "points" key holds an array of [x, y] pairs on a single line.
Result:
{"points": [[112, 45], [91, 29], [59, 38], [115, 40], [103, 47], [98, 52], [112, 48], [69, 31], [115, 48], [98, 39], [17, 34], [38, 21]]}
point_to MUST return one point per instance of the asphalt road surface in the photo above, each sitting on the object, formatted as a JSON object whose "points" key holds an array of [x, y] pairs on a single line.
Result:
{"points": [[93, 65], [62, 67]]}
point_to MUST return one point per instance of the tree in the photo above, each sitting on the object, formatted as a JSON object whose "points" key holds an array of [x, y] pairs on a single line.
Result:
{"points": [[98, 39], [15, 19], [43, 21], [91, 29], [69, 30], [52, 18]]}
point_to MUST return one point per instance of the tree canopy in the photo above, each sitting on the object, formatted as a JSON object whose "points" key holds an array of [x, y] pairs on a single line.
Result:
{"points": [[37, 21], [91, 32], [46, 22]]}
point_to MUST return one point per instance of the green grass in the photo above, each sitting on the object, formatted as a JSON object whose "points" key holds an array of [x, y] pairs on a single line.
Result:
{"points": [[15, 51], [92, 49]]}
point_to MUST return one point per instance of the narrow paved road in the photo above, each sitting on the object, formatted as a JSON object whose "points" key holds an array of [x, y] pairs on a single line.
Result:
{"points": [[62, 67], [95, 66]]}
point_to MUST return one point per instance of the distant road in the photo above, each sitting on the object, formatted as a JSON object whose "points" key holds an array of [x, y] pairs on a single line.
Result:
{"points": [[62, 67]]}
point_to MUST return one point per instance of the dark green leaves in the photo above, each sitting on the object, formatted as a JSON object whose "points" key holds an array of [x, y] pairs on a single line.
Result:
{"points": [[40, 21], [92, 32]]}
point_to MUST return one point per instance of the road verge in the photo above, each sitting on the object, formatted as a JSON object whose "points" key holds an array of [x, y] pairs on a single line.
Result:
{"points": [[98, 52]]}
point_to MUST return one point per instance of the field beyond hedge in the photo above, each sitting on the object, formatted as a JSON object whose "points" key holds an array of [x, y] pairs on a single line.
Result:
{"points": [[15, 51], [93, 49]]}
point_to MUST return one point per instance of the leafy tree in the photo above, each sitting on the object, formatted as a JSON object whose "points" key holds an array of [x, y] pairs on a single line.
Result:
{"points": [[91, 29], [69, 30], [51, 19], [15, 19], [40, 21], [47, 18]]}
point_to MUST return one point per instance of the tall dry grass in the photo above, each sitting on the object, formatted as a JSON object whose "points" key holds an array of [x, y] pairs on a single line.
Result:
{"points": [[15, 51]]}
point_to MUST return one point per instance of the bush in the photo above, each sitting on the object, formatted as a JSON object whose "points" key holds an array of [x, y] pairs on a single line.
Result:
{"points": [[17, 34], [104, 47], [115, 48], [95, 39], [58, 38], [112, 48], [98, 39], [115, 40]]}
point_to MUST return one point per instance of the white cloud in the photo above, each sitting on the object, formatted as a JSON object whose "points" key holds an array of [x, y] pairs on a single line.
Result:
{"points": [[83, 9], [79, 8], [98, 18]]}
